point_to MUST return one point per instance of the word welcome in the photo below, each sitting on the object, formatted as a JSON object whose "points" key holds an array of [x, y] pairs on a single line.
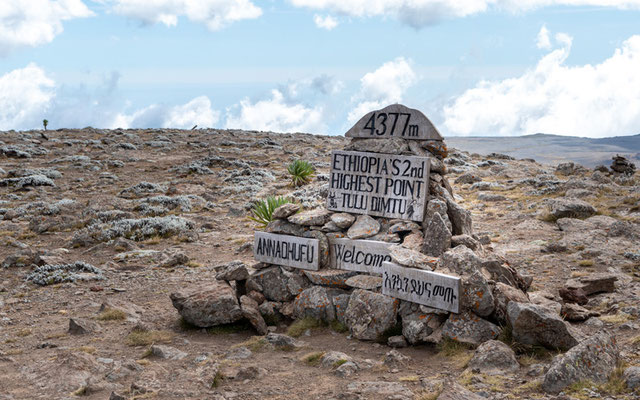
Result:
{"points": [[424, 287], [358, 255], [286, 250], [385, 185]]}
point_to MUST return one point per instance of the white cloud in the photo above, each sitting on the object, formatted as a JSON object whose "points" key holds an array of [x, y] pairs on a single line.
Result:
{"points": [[543, 41], [196, 112], [215, 14], [327, 22], [35, 22], [419, 13], [24, 97], [275, 114], [587, 100], [384, 86]]}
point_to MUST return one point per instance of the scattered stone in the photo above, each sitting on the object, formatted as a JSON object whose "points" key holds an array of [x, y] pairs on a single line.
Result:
{"points": [[174, 259], [79, 326], [366, 282], [210, 305], [347, 369], [468, 178], [397, 341], [394, 358], [453, 391], [593, 283], [333, 359], [364, 227], [314, 302], [631, 377], [251, 311], [286, 210], [535, 325], [381, 389], [250, 373], [594, 359], [468, 328], [491, 197], [477, 295], [240, 353], [460, 260], [494, 358], [283, 342], [570, 208], [51, 274], [116, 396], [464, 240], [418, 326], [167, 352], [343, 220], [317, 217], [503, 294], [369, 314], [575, 313], [285, 228], [233, 271], [621, 165], [546, 300]]}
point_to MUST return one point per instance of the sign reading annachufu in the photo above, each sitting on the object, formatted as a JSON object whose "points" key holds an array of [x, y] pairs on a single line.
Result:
{"points": [[290, 251], [358, 255], [424, 287], [384, 185]]}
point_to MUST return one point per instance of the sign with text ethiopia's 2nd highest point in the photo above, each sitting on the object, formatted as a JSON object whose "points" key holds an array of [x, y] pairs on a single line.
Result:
{"points": [[383, 185], [290, 251]]}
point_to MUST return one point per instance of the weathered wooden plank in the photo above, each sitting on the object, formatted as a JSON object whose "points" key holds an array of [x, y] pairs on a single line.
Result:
{"points": [[383, 185], [423, 287], [290, 251], [395, 121], [358, 255]]}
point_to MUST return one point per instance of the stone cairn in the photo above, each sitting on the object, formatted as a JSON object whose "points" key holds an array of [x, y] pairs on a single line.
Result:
{"points": [[377, 270]]}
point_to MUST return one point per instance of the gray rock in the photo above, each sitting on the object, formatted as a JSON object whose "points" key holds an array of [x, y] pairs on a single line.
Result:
{"points": [[251, 372], [453, 391], [573, 312], [369, 314], [397, 341], [277, 284], [346, 369], [381, 390], [375, 145], [333, 359], [464, 240], [343, 220], [631, 377], [494, 358], [570, 208], [364, 227], [418, 326], [477, 295], [286, 210], [469, 328], [403, 226], [233, 271], [460, 218], [283, 342], [469, 177], [437, 205], [323, 244], [460, 260], [593, 283], [79, 326], [341, 303], [593, 359], [394, 358], [314, 302], [251, 311], [116, 396], [534, 325], [411, 258], [437, 239], [491, 197], [209, 305], [335, 278], [317, 217], [285, 228], [366, 282], [167, 352], [240, 353], [502, 295]]}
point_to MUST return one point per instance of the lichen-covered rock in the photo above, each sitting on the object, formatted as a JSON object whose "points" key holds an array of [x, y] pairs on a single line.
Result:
{"points": [[502, 295], [251, 311], [140, 229], [460, 260], [477, 295], [573, 312], [438, 237], [494, 358], [460, 218], [437, 205], [317, 217], [593, 359], [209, 305], [417, 326], [366, 282], [535, 325], [232, 271], [77, 271], [570, 208], [167, 352], [335, 278], [411, 258], [343, 220], [285, 228], [631, 377], [464, 240], [314, 302], [379, 145], [364, 227], [593, 283], [323, 246], [333, 359], [277, 284], [369, 314], [468, 328], [286, 210]]}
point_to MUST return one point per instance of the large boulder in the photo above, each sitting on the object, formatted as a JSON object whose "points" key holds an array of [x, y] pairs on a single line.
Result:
{"points": [[461, 260], [470, 329], [534, 325], [570, 208], [594, 359], [438, 237], [210, 305], [369, 314], [494, 358], [593, 283], [315, 302], [477, 295], [277, 284]]}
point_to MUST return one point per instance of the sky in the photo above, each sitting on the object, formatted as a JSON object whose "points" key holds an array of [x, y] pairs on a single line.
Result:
{"points": [[473, 67]]}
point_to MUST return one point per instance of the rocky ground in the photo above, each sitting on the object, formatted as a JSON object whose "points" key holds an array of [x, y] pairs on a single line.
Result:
{"points": [[136, 215]]}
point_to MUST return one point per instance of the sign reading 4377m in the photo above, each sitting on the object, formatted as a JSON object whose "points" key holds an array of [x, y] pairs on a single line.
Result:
{"points": [[383, 185], [395, 121]]}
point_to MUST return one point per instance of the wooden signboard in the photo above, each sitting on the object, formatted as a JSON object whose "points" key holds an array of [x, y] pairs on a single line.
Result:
{"points": [[290, 251], [383, 185], [423, 287], [358, 255], [395, 121]]}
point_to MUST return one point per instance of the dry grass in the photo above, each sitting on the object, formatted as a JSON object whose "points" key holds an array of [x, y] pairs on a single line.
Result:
{"points": [[302, 325], [313, 358], [146, 338], [585, 263], [618, 318], [457, 352], [111, 314], [23, 332], [256, 343]]}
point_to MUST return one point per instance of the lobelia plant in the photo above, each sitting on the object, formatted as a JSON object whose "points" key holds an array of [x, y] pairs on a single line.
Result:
{"points": [[301, 172], [262, 210], [45, 122]]}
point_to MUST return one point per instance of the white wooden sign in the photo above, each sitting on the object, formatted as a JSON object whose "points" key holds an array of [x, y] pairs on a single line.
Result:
{"points": [[290, 251], [395, 121], [383, 185], [423, 287], [358, 255]]}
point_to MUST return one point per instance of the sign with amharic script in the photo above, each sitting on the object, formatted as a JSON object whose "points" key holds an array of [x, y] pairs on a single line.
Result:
{"points": [[290, 251], [384, 185], [395, 121], [358, 255], [423, 287]]}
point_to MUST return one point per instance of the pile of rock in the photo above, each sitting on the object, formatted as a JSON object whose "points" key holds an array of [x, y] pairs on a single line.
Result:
{"points": [[622, 166]]}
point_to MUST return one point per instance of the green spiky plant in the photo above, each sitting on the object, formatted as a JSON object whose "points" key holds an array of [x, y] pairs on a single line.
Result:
{"points": [[301, 172], [262, 210], [45, 122]]}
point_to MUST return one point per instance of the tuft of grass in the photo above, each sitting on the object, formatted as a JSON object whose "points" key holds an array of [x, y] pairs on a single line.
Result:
{"points": [[23, 332], [139, 337], [618, 318], [616, 385], [111, 314], [313, 358], [262, 210], [256, 343], [300, 326], [339, 363], [338, 326], [194, 264], [409, 378], [86, 349], [301, 172], [585, 263], [459, 353], [217, 379]]}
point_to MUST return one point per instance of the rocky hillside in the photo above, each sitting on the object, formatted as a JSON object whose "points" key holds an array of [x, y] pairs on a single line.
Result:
{"points": [[99, 227]]}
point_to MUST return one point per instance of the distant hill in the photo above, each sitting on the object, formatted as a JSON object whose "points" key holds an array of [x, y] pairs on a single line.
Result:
{"points": [[553, 149]]}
